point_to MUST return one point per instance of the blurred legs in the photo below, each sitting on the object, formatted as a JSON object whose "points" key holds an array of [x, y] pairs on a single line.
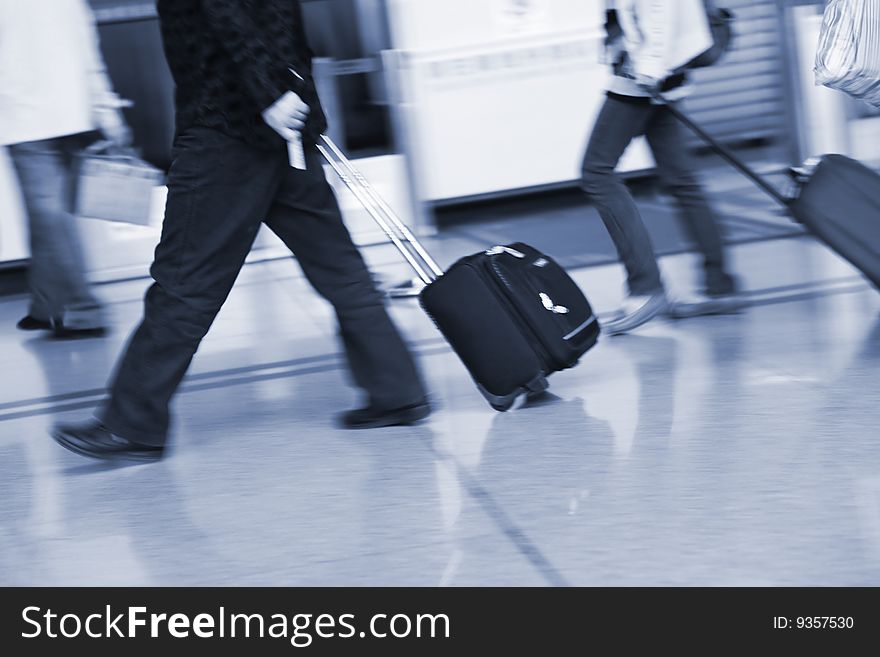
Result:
{"points": [[667, 141], [59, 290], [220, 191], [617, 125]]}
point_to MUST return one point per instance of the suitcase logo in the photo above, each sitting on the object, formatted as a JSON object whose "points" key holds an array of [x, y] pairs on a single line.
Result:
{"points": [[552, 307], [498, 250]]}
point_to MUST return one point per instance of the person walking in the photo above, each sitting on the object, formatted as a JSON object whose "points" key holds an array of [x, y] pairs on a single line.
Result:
{"points": [[244, 91], [647, 44], [54, 93]]}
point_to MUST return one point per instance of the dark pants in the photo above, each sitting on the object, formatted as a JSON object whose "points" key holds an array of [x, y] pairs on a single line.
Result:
{"points": [[59, 291], [220, 191], [618, 124]]}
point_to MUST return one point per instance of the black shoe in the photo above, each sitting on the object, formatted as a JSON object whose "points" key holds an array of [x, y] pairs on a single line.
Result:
{"points": [[61, 332], [95, 440], [373, 418], [30, 323]]}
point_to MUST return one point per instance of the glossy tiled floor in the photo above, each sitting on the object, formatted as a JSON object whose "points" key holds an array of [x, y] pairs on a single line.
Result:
{"points": [[732, 451]]}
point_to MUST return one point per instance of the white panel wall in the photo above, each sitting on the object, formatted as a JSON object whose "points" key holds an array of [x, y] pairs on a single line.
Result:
{"points": [[498, 95]]}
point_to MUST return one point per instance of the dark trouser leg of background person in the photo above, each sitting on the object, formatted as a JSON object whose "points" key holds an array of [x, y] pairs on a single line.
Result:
{"points": [[619, 122], [306, 217], [220, 190], [60, 295], [666, 139]]}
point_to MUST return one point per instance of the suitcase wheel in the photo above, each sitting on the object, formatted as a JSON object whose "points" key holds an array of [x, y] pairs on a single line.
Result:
{"points": [[500, 403], [538, 385], [504, 403]]}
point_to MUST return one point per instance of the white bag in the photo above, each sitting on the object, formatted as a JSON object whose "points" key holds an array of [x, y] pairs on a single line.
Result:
{"points": [[115, 185], [848, 57]]}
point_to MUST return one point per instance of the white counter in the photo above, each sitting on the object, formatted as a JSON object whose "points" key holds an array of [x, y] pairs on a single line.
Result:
{"points": [[497, 95]]}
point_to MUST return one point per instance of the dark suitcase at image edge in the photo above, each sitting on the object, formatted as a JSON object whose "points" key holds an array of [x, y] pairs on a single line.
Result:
{"points": [[839, 201], [840, 204]]}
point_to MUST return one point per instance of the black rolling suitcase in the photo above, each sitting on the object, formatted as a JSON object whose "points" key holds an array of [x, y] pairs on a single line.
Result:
{"points": [[511, 313], [838, 201]]}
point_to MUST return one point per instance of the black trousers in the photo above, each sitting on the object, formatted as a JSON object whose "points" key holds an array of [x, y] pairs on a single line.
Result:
{"points": [[220, 191]]}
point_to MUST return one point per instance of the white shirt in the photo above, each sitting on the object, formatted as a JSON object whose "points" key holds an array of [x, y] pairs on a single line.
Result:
{"points": [[660, 36], [52, 76]]}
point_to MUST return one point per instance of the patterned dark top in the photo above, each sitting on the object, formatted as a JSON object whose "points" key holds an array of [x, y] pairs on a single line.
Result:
{"points": [[231, 59]]}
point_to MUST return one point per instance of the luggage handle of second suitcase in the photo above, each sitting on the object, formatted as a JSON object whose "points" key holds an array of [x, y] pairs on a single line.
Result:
{"points": [[725, 153], [398, 232]]}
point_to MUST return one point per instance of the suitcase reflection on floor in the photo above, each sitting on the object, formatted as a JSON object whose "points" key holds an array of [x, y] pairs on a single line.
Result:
{"points": [[581, 452]]}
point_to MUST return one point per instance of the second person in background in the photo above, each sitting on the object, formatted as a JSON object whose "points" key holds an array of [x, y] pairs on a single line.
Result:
{"points": [[648, 42], [54, 95]]}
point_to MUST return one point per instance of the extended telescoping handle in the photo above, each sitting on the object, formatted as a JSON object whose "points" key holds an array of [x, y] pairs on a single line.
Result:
{"points": [[724, 152], [385, 208], [418, 258]]}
